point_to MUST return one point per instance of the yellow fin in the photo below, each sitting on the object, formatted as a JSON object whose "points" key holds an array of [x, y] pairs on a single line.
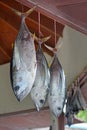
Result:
{"points": [[12, 45], [25, 13], [30, 11], [42, 40]]}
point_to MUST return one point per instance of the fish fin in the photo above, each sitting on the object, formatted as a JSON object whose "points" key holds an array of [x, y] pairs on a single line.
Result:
{"points": [[30, 11], [16, 11], [16, 57], [45, 39], [25, 13], [42, 40], [50, 48], [33, 35], [38, 109], [54, 50], [12, 45], [57, 47], [59, 43]]}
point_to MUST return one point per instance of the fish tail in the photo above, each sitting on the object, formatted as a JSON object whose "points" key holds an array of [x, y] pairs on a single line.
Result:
{"points": [[54, 50], [30, 11], [42, 40], [33, 35], [16, 11], [25, 13], [50, 48], [38, 109]]}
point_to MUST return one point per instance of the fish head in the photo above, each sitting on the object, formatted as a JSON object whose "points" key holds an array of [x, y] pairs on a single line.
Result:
{"points": [[20, 86], [40, 104], [38, 95], [40, 99], [58, 111]]}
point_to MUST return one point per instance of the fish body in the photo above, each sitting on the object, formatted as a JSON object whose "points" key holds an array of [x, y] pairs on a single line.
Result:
{"points": [[57, 92], [40, 88], [75, 103], [23, 63]]}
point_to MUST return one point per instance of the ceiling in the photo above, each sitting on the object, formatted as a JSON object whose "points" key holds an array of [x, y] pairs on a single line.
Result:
{"points": [[64, 12], [10, 23]]}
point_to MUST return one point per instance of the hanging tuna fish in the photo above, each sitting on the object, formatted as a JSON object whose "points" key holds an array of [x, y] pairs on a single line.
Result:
{"points": [[40, 88], [23, 62], [75, 103], [57, 92]]}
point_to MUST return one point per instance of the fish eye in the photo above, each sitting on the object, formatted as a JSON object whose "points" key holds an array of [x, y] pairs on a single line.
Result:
{"points": [[16, 88], [59, 108], [41, 101]]}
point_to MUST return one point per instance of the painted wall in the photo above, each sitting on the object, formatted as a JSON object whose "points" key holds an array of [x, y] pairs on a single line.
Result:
{"points": [[73, 53], [73, 57]]}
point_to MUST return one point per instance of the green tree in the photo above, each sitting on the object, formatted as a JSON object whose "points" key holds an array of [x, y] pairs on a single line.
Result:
{"points": [[83, 115]]}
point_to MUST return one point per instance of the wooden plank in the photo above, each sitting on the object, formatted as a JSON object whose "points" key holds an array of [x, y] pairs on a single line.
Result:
{"points": [[7, 36], [70, 2], [73, 16], [45, 20], [27, 119], [61, 122]]}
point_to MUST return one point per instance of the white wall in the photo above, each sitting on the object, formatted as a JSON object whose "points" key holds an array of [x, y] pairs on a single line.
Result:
{"points": [[73, 56], [8, 102], [73, 53]]}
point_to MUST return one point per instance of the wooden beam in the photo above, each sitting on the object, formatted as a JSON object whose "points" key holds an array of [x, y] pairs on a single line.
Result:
{"points": [[45, 20], [70, 2], [47, 27], [61, 122], [26, 119], [7, 36], [4, 52], [10, 23], [4, 57], [11, 33]]}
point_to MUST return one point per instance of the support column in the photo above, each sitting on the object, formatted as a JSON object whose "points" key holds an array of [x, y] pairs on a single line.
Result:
{"points": [[61, 123]]}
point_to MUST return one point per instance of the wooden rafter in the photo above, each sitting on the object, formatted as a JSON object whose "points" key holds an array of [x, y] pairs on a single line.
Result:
{"points": [[6, 13], [10, 19]]}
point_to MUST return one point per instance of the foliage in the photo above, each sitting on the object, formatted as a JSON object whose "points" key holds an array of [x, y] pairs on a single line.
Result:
{"points": [[82, 115]]}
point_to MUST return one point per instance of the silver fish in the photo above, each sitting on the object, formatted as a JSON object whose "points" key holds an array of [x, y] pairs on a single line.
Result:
{"points": [[57, 93], [40, 88], [23, 63]]}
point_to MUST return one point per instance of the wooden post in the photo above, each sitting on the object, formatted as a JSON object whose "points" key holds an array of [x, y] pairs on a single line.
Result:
{"points": [[61, 122]]}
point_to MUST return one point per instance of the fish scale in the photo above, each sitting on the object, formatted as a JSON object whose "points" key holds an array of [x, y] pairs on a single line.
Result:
{"points": [[23, 62]]}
